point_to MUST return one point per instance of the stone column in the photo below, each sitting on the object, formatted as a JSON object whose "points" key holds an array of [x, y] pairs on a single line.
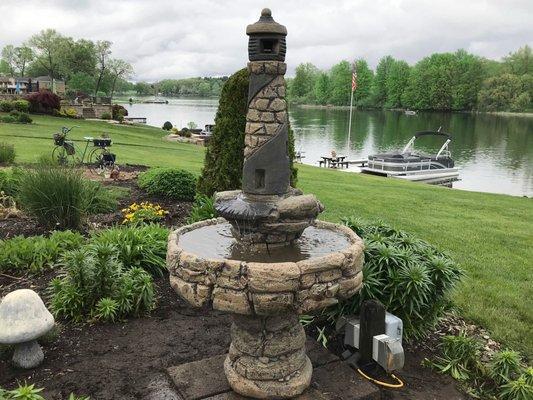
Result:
{"points": [[266, 162], [267, 357]]}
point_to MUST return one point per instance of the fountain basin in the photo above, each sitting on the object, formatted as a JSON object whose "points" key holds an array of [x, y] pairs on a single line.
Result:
{"points": [[265, 289], [301, 278]]}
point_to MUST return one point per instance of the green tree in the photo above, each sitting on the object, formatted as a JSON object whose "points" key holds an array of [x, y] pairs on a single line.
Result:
{"points": [[23, 56], [397, 79], [467, 78], [9, 58], [520, 62], [77, 57], [103, 51], [224, 157], [500, 93], [82, 82], [49, 47], [118, 69], [322, 89], [364, 83], [430, 84], [379, 87], [303, 83], [341, 81]]}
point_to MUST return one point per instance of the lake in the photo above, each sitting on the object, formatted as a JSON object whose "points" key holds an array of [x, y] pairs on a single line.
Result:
{"points": [[494, 153]]}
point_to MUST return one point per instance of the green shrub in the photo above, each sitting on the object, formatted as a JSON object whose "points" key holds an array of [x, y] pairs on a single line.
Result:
{"points": [[505, 366], [409, 276], [24, 118], [21, 105], [8, 119], [9, 180], [167, 126], [102, 199], [516, 390], [95, 285], [59, 197], [68, 113], [106, 115], [22, 392], [202, 209], [7, 153], [38, 252], [460, 356], [174, 183], [143, 246], [6, 105]]}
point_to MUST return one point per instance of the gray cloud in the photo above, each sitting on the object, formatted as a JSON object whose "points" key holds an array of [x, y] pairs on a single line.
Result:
{"points": [[174, 39]]}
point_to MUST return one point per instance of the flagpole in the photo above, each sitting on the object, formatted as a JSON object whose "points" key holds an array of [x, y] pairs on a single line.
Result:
{"points": [[350, 121]]}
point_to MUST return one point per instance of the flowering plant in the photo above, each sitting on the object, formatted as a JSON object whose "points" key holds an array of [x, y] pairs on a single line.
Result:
{"points": [[143, 213]]}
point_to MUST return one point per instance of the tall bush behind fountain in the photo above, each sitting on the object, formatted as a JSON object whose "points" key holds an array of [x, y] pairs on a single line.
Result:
{"points": [[268, 259]]}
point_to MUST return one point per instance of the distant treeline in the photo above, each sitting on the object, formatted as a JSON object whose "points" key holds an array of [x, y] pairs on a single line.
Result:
{"points": [[203, 87], [441, 81]]}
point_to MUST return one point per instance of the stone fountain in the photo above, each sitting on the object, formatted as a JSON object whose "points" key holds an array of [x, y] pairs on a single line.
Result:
{"points": [[267, 259]]}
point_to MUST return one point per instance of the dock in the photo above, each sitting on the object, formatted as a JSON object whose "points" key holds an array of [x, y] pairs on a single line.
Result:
{"points": [[360, 163], [137, 120]]}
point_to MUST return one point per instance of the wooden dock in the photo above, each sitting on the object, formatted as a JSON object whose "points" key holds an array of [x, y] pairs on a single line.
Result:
{"points": [[360, 163], [137, 120]]}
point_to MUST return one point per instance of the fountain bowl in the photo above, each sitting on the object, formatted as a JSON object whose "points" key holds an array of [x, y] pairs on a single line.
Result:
{"points": [[265, 290]]}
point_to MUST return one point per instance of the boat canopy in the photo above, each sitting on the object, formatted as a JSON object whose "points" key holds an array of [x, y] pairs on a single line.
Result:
{"points": [[436, 133]]}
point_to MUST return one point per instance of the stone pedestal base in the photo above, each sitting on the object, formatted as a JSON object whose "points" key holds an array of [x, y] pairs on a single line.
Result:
{"points": [[267, 357]]}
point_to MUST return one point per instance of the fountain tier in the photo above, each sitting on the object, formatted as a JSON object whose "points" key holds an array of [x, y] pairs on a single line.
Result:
{"points": [[267, 355]]}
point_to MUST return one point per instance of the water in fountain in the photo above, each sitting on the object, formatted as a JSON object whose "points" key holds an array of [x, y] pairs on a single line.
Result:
{"points": [[217, 242]]}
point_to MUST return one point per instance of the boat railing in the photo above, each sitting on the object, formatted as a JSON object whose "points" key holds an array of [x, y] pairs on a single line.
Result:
{"points": [[424, 164]]}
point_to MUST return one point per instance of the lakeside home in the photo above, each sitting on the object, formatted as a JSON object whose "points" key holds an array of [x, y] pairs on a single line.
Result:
{"points": [[24, 85]]}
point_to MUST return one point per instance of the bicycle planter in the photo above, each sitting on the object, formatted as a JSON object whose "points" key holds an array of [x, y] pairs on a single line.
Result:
{"points": [[102, 142]]}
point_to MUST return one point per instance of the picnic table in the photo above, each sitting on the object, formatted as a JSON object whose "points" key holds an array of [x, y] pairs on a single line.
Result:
{"points": [[333, 162]]}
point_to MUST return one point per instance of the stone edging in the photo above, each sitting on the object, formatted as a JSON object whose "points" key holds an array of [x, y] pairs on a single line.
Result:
{"points": [[252, 288]]}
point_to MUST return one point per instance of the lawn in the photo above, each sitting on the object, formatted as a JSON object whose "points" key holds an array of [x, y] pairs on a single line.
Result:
{"points": [[490, 235]]}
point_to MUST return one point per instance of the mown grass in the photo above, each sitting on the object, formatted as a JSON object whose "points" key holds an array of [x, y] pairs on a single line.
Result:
{"points": [[490, 235]]}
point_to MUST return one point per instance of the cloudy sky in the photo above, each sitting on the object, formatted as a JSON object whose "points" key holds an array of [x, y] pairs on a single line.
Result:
{"points": [[176, 39]]}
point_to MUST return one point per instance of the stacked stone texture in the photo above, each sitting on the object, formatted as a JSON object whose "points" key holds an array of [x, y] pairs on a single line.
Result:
{"points": [[265, 289], [267, 354], [267, 110]]}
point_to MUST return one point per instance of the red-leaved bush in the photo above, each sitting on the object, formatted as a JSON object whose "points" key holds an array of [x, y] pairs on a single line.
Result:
{"points": [[44, 101]]}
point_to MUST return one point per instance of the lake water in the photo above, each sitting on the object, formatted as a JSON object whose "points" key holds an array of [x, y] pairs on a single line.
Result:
{"points": [[494, 153]]}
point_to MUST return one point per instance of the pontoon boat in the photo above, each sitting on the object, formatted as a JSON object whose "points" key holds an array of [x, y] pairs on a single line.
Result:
{"points": [[414, 165]]}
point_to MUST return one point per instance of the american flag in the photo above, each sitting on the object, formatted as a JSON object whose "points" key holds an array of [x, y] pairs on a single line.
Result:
{"points": [[354, 80]]}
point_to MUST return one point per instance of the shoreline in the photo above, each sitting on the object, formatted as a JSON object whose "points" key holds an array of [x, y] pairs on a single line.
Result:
{"points": [[333, 107]]}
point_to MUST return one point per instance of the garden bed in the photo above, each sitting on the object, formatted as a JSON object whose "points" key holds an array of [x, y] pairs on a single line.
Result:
{"points": [[121, 360], [127, 181]]}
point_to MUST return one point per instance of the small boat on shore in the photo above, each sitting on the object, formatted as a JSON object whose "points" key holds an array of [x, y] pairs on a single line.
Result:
{"points": [[413, 165], [409, 112]]}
